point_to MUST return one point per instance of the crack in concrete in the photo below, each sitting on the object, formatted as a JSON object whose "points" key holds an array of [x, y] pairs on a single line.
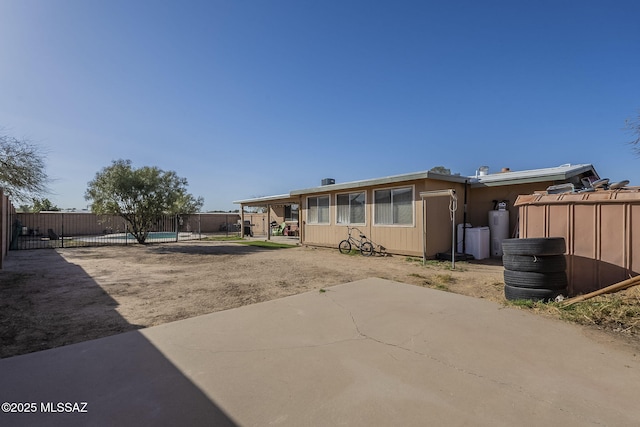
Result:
{"points": [[361, 336], [516, 388], [277, 348]]}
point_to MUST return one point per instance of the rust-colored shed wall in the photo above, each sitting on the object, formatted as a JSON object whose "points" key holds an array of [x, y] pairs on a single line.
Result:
{"points": [[598, 228]]}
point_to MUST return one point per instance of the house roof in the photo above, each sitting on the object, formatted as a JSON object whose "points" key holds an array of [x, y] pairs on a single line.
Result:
{"points": [[280, 198], [559, 173], [381, 181]]}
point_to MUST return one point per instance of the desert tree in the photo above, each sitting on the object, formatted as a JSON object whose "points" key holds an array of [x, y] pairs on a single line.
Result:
{"points": [[140, 196], [632, 126], [441, 170], [40, 205], [22, 168]]}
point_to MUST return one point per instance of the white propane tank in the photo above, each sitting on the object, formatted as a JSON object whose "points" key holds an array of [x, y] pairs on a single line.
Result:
{"points": [[499, 229]]}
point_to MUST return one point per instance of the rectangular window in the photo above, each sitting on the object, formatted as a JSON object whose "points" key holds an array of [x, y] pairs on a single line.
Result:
{"points": [[394, 206], [318, 210], [351, 208], [291, 213]]}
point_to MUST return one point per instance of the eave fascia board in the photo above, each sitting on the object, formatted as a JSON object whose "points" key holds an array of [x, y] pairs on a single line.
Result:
{"points": [[380, 182]]}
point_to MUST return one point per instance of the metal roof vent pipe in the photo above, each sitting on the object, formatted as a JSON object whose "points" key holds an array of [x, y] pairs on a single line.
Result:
{"points": [[328, 181], [482, 171]]}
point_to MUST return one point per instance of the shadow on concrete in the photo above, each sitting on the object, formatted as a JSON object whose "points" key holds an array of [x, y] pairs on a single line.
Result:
{"points": [[123, 378]]}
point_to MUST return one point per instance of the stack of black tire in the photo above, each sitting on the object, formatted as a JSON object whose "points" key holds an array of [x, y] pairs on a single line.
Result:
{"points": [[535, 268]]}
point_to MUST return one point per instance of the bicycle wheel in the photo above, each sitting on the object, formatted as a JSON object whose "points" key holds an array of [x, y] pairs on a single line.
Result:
{"points": [[344, 247], [366, 249]]}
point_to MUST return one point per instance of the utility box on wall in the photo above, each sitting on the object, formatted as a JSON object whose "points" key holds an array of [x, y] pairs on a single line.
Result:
{"points": [[598, 228]]}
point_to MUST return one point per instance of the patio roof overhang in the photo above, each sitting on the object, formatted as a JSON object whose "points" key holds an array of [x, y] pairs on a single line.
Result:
{"points": [[268, 202], [281, 199]]}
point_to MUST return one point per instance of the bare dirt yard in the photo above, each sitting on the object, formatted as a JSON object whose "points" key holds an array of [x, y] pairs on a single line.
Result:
{"points": [[50, 298]]}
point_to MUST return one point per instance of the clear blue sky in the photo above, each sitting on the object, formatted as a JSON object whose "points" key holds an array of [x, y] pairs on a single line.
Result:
{"points": [[256, 98]]}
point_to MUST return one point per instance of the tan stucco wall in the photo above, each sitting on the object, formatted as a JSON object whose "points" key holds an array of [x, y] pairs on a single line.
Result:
{"points": [[258, 222], [480, 202], [397, 239], [82, 224]]}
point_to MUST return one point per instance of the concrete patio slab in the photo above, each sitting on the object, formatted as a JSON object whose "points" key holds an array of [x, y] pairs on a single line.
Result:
{"points": [[372, 352]]}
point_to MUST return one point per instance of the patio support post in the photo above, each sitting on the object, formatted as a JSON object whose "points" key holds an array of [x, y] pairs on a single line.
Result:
{"points": [[268, 221], [299, 220], [452, 208], [424, 232], [241, 221]]}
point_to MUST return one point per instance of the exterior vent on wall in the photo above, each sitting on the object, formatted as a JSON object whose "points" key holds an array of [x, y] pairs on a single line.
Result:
{"points": [[328, 181]]}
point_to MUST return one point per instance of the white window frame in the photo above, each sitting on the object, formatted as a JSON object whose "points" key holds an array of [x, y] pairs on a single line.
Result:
{"points": [[297, 211], [328, 197], [413, 205], [348, 222]]}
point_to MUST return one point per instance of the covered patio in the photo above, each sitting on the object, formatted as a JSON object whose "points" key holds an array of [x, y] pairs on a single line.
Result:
{"points": [[282, 215]]}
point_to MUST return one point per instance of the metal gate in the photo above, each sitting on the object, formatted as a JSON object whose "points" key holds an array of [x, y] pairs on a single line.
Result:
{"points": [[77, 229]]}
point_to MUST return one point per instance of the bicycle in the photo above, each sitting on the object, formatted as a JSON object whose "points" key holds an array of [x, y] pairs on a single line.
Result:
{"points": [[363, 244]]}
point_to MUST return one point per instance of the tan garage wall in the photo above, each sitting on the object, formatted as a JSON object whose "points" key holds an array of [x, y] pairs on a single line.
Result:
{"points": [[601, 229], [480, 201]]}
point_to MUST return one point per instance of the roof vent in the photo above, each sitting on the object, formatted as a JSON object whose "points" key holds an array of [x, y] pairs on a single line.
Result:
{"points": [[483, 170], [328, 181]]}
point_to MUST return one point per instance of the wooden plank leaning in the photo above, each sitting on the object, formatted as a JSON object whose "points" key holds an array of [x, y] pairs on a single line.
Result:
{"points": [[634, 281]]}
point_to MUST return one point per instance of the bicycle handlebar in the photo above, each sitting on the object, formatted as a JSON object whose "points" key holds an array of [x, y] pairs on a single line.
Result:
{"points": [[350, 229]]}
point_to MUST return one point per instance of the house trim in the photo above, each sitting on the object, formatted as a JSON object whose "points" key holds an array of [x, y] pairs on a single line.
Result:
{"points": [[413, 206]]}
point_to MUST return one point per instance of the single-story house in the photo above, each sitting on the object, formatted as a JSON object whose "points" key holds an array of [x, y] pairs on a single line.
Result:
{"points": [[398, 212]]}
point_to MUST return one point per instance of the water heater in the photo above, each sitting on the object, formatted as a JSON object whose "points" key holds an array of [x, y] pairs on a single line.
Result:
{"points": [[499, 229]]}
